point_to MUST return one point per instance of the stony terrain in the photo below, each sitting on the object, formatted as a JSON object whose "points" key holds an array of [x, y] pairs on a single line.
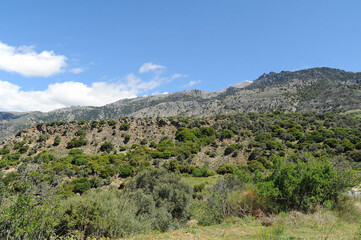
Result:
{"points": [[146, 129], [317, 90]]}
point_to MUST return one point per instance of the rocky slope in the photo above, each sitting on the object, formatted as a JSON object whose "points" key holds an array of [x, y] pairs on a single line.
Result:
{"points": [[317, 90]]}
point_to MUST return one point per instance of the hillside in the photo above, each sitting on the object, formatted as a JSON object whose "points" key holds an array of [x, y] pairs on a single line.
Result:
{"points": [[127, 176], [208, 141], [312, 90]]}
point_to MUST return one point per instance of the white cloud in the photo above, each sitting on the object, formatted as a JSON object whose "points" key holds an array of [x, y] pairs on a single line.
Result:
{"points": [[26, 62], [150, 67], [191, 84], [66, 94], [76, 70]]}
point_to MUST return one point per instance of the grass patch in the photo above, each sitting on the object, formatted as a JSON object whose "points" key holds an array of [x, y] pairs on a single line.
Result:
{"points": [[323, 224], [209, 181]]}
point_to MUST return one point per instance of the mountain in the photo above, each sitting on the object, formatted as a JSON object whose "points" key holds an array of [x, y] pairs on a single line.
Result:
{"points": [[311, 90]]}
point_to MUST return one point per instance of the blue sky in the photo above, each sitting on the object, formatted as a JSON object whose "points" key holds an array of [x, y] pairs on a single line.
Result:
{"points": [[59, 53]]}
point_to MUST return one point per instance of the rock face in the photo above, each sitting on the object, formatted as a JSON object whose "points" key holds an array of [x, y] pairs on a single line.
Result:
{"points": [[317, 90]]}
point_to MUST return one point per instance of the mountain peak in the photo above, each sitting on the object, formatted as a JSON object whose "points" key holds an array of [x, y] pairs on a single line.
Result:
{"points": [[306, 75]]}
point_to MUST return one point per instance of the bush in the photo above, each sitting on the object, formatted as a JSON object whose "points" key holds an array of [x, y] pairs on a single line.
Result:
{"points": [[202, 172], [199, 187], [4, 151], [101, 214], [163, 195], [231, 148], [185, 134], [126, 138], [226, 133], [303, 184], [107, 147], [80, 185], [255, 165], [124, 127], [347, 145], [122, 148], [355, 155], [125, 171], [226, 168], [57, 140], [18, 145], [77, 143], [43, 138], [23, 149]]}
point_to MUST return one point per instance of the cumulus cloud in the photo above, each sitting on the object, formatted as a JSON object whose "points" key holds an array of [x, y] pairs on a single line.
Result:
{"points": [[25, 61], [67, 94], [150, 67]]}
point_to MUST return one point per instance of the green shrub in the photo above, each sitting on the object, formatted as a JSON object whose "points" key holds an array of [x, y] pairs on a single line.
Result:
{"points": [[226, 168], [77, 143], [199, 187], [202, 172], [126, 138], [18, 145], [107, 147], [23, 149], [303, 184], [355, 155], [166, 191], [57, 140], [226, 133], [43, 138], [4, 151], [80, 185], [126, 171], [185, 134], [124, 127], [255, 165]]}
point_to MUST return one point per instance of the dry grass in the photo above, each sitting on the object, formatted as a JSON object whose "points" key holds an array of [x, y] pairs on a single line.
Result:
{"points": [[295, 225]]}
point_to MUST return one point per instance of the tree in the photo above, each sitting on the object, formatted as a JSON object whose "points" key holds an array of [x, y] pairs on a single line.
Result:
{"points": [[107, 147]]}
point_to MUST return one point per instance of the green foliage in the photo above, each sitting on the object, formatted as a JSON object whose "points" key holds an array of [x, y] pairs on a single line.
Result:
{"points": [[303, 184], [332, 142], [81, 132], [23, 149], [164, 191], [263, 137], [43, 138], [122, 148], [107, 147], [57, 140], [4, 151], [255, 166], [124, 127], [125, 170], [185, 134], [355, 155], [226, 168], [18, 134], [112, 123], [347, 145], [80, 185], [77, 142], [126, 138], [231, 148], [274, 145], [226, 133], [202, 172], [18, 145]]}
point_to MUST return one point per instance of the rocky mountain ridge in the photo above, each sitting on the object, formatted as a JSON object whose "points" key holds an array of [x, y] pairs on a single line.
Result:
{"points": [[316, 90]]}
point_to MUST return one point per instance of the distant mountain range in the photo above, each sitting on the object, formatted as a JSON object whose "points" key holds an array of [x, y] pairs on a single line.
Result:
{"points": [[311, 90]]}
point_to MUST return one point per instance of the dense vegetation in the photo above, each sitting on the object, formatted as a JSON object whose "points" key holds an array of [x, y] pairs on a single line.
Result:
{"points": [[266, 164]]}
